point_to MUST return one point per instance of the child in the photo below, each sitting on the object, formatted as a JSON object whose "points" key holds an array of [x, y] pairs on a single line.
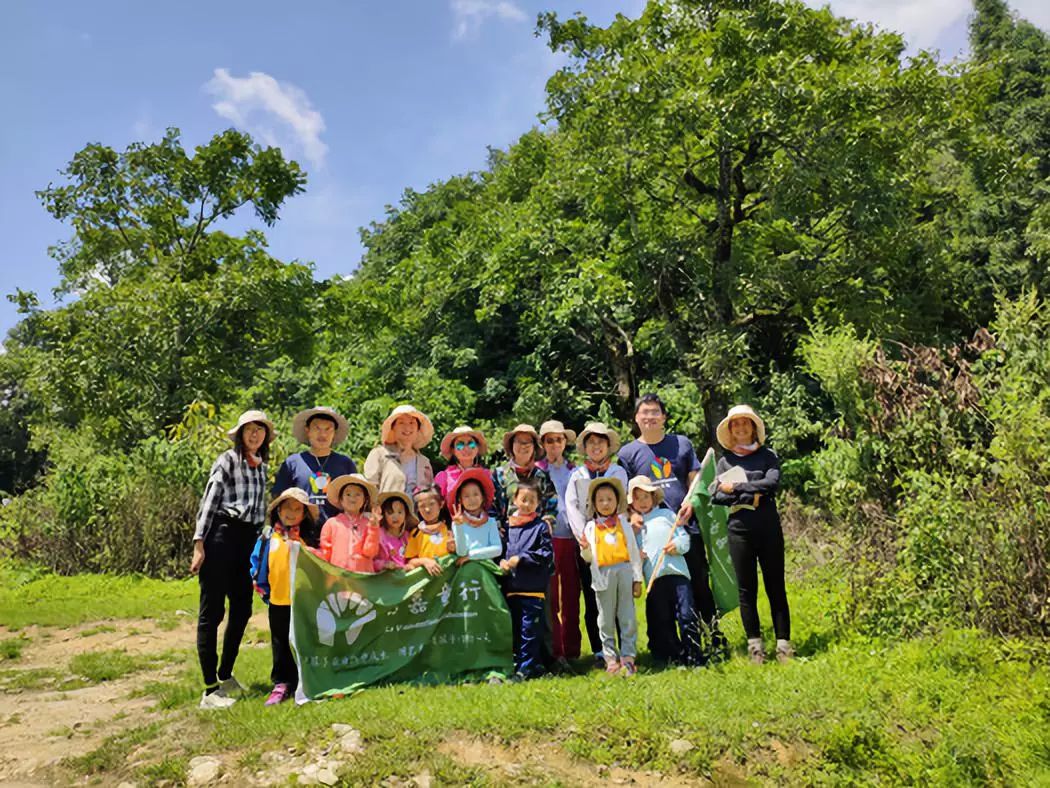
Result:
{"points": [[396, 519], [290, 514], [596, 445], [311, 471], [475, 533], [611, 547], [669, 605], [432, 538], [529, 558], [351, 539]]}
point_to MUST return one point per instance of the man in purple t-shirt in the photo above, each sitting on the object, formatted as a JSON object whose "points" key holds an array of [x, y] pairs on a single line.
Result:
{"points": [[671, 463]]}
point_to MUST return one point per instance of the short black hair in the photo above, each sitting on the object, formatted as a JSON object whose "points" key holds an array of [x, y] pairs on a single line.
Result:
{"points": [[596, 435], [647, 399], [324, 416], [529, 484]]}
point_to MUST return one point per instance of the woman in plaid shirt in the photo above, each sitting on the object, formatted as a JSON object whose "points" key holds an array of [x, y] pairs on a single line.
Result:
{"points": [[230, 517]]}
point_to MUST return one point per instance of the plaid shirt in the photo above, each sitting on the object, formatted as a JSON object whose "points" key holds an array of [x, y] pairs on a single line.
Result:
{"points": [[505, 479], [235, 490]]}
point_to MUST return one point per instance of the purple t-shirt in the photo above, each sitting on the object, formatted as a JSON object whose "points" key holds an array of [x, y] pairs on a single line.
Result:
{"points": [[667, 463]]}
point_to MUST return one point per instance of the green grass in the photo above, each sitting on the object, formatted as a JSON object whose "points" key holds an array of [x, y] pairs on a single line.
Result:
{"points": [[956, 708], [11, 648], [39, 679], [57, 601], [96, 666]]}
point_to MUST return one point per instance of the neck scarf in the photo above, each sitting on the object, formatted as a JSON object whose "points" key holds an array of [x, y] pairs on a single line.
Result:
{"points": [[517, 520], [743, 451], [292, 534], [607, 523], [430, 528], [598, 467], [523, 471], [253, 460], [474, 519]]}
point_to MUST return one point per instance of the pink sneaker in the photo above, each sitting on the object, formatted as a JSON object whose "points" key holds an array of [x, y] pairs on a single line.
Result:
{"points": [[612, 666], [279, 694]]}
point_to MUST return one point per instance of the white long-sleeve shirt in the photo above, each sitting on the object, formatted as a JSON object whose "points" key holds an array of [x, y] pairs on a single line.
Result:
{"points": [[576, 494]]}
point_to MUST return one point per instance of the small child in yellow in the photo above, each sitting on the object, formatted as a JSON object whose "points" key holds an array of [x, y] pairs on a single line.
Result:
{"points": [[290, 512], [611, 548], [432, 538]]}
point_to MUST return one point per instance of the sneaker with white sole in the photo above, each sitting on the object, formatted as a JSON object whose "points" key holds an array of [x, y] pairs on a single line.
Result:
{"points": [[231, 688], [213, 700]]}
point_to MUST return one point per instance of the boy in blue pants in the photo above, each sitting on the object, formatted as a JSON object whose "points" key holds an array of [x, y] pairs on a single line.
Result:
{"points": [[528, 558]]}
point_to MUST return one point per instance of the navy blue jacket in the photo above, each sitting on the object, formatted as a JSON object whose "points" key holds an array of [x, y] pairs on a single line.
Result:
{"points": [[532, 544]]}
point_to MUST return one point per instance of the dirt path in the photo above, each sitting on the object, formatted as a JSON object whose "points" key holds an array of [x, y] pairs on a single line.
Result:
{"points": [[42, 722]]}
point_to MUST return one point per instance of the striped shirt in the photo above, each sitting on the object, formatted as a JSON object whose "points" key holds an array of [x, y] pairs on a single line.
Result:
{"points": [[235, 490]]}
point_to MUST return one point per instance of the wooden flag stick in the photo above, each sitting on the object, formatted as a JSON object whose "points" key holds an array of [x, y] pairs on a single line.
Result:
{"points": [[670, 538]]}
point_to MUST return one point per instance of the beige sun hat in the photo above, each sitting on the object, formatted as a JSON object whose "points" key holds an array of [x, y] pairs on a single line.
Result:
{"points": [[247, 418], [301, 419], [621, 496], [426, 428], [335, 488], [411, 521], [644, 483], [740, 412], [598, 428], [554, 425], [463, 432], [529, 430], [294, 494]]}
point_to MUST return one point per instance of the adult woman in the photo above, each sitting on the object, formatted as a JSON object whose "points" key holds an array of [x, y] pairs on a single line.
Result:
{"points": [[463, 448], [755, 536], [396, 465], [523, 449], [230, 517]]}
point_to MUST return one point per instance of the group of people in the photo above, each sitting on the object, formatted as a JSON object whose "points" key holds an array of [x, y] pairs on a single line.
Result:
{"points": [[614, 521]]}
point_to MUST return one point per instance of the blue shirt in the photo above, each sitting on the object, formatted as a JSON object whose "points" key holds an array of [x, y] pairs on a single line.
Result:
{"points": [[667, 464], [655, 533], [311, 475]]}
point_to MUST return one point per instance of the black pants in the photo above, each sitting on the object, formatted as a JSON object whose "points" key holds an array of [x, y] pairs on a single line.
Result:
{"points": [[526, 613], [703, 599], [671, 624], [590, 606], [760, 544], [225, 575], [284, 670]]}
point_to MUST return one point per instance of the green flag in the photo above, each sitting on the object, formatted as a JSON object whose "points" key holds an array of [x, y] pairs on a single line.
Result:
{"points": [[713, 526], [350, 630]]}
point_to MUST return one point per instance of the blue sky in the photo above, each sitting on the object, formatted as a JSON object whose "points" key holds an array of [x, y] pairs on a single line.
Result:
{"points": [[371, 97]]}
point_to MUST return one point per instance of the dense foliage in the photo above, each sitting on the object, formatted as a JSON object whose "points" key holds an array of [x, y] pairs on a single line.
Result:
{"points": [[729, 199]]}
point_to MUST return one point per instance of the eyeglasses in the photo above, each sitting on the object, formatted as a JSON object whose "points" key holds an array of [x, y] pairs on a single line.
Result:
{"points": [[471, 444]]}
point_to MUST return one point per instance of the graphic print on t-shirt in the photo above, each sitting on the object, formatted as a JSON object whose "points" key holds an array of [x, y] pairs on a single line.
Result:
{"points": [[662, 472]]}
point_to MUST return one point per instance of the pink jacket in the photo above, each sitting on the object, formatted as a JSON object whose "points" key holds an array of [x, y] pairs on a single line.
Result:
{"points": [[391, 549], [446, 480], [350, 542]]}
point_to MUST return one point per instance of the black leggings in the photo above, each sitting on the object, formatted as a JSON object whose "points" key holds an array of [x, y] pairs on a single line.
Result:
{"points": [[284, 670], [225, 574], [760, 545]]}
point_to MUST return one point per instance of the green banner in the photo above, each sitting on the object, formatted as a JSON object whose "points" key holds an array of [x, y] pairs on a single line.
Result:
{"points": [[713, 526], [350, 630]]}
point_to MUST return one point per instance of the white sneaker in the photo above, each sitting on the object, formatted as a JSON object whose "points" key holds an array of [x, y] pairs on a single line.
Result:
{"points": [[230, 687], [216, 701]]}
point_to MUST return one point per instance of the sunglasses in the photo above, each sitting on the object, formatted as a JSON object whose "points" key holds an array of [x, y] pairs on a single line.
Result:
{"points": [[461, 445]]}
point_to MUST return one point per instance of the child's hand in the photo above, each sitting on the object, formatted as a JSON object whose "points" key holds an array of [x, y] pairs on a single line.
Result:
{"points": [[643, 554], [432, 566], [637, 521], [198, 557], [670, 549], [451, 545], [504, 565], [584, 544], [457, 514], [636, 588], [462, 560]]}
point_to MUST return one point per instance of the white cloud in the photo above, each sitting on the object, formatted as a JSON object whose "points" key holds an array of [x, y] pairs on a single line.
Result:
{"points": [[923, 23], [278, 113], [470, 15]]}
